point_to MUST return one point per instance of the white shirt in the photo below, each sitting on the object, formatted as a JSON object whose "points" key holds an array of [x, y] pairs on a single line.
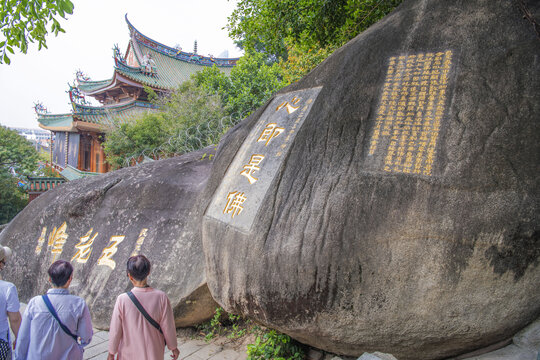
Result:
{"points": [[9, 301], [40, 335]]}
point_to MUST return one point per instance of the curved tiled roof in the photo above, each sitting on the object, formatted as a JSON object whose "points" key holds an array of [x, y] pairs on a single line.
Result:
{"points": [[170, 72], [178, 54], [111, 114], [171, 66], [60, 122], [89, 86], [103, 116]]}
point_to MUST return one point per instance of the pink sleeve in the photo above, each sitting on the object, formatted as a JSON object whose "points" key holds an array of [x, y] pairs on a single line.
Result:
{"points": [[167, 325], [115, 331]]}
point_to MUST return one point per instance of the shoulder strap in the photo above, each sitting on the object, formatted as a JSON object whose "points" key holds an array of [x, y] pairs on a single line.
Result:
{"points": [[53, 312], [145, 314]]}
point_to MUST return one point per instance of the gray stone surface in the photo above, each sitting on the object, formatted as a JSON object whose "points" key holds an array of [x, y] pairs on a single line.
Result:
{"points": [[510, 352], [351, 257], [529, 338], [376, 356], [160, 197]]}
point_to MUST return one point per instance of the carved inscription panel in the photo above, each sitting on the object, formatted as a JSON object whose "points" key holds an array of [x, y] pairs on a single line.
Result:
{"points": [[84, 245], [410, 114], [242, 191]]}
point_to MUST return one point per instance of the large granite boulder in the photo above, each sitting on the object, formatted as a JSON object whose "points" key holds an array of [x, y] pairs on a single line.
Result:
{"points": [[97, 223], [389, 201]]}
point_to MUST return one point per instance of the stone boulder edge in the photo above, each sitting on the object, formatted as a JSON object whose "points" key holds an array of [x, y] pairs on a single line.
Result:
{"points": [[153, 204], [350, 258]]}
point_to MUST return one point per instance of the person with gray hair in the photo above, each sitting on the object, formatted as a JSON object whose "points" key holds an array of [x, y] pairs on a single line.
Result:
{"points": [[57, 325], [9, 309]]}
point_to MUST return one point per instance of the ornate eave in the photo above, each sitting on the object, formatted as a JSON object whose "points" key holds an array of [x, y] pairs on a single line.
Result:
{"points": [[57, 122], [140, 38], [119, 88], [149, 63], [92, 118]]}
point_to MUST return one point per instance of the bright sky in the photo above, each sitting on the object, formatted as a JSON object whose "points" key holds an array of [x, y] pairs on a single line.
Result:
{"points": [[91, 32]]}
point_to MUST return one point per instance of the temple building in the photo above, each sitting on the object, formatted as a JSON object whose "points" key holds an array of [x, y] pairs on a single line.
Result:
{"points": [[77, 136]]}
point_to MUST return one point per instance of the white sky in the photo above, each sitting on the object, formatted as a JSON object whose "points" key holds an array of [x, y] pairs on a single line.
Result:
{"points": [[91, 32]]}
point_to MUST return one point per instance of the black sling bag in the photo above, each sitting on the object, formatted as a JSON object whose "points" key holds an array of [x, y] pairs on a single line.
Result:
{"points": [[53, 313], [145, 314]]}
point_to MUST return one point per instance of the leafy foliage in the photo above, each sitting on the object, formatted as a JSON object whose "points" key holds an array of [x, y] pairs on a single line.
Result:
{"points": [[189, 119], [299, 63], [12, 198], [275, 346], [251, 83], [23, 21], [284, 40], [16, 152], [231, 325], [17, 158], [271, 26]]}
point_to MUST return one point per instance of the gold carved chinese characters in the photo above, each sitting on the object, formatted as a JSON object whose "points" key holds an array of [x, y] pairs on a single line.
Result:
{"points": [[41, 240], [84, 247], [289, 105], [270, 131], [59, 236], [244, 187], [107, 254], [410, 112], [57, 239], [251, 167], [235, 199], [140, 242]]}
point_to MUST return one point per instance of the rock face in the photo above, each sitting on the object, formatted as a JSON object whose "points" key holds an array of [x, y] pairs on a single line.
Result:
{"points": [[97, 223], [389, 201]]}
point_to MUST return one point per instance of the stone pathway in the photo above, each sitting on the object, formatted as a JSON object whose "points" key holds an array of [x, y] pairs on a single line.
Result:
{"points": [[189, 349], [526, 346]]}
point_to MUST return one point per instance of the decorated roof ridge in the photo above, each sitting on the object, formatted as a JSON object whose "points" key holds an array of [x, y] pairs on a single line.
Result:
{"points": [[119, 65], [39, 108], [76, 96], [93, 82], [54, 116], [179, 54], [80, 109]]}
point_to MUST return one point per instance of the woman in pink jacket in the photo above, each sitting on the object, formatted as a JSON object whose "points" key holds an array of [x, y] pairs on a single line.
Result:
{"points": [[134, 335]]}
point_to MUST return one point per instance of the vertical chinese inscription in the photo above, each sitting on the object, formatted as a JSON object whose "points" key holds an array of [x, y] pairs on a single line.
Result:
{"points": [[84, 247], [57, 239], [140, 241], [410, 112], [41, 240], [107, 254], [243, 189]]}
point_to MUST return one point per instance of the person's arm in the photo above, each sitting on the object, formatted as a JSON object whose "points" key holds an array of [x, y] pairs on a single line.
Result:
{"points": [[23, 338], [115, 329], [84, 328], [12, 310], [175, 354], [15, 323], [169, 329]]}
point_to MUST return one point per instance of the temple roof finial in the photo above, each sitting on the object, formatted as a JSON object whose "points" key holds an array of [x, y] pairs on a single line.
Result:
{"points": [[195, 47]]}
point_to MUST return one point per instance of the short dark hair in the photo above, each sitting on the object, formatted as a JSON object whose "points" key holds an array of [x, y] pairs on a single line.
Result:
{"points": [[138, 267], [60, 271]]}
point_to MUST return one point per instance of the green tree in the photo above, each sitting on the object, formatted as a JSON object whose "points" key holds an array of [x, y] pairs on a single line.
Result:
{"points": [[299, 63], [275, 27], [250, 84], [23, 21], [17, 158], [189, 119]]}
